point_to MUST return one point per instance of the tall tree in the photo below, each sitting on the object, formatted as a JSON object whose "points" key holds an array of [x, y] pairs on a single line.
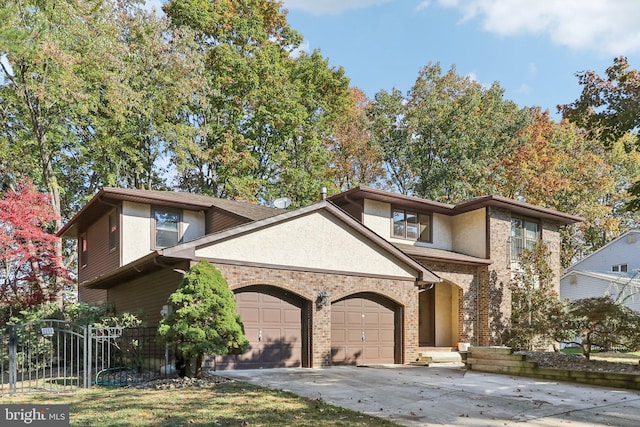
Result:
{"points": [[389, 132], [557, 165], [535, 304], [263, 119], [89, 93], [449, 129], [356, 160], [609, 107]]}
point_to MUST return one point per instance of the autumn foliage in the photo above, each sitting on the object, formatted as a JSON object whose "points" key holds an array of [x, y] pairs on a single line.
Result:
{"points": [[31, 269]]}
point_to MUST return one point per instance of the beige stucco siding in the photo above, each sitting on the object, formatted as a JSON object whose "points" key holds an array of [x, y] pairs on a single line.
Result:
{"points": [[136, 231], [469, 235], [193, 224], [318, 241], [447, 323], [377, 216], [441, 232]]}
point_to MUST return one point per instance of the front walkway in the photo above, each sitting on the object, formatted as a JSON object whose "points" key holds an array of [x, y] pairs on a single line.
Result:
{"points": [[448, 395]]}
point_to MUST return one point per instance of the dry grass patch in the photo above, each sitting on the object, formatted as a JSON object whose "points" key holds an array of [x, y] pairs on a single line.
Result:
{"points": [[614, 356], [227, 404]]}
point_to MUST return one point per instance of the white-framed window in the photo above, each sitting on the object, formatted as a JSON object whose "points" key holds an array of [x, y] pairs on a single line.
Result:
{"points": [[620, 268], [524, 235], [166, 227], [411, 225]]}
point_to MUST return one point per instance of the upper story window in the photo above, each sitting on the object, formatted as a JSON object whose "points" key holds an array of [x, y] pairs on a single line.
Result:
{"points": [[167, 227], [113, 229], [524, 235], [411, 225], [620, 268], [82, 250]]}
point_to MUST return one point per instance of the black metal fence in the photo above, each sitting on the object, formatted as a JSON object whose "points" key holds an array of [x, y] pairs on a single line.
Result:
{"points": [[55, 355], [129, 355]]}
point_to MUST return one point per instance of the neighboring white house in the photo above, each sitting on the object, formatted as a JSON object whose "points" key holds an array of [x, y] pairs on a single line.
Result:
{"points": [[611, 270]]}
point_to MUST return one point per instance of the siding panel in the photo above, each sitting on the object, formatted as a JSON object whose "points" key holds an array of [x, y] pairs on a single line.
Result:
{"points": [[91, 295], [146, 296], [218, 221], [100, 259]]}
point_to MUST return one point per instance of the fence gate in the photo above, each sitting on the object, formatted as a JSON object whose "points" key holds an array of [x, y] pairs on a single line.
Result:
{"points": [[56, 355], [43, 355]]}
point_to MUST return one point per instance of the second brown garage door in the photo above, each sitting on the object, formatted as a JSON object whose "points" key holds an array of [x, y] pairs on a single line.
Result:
{"points": [[362, 332], [273, 326]]}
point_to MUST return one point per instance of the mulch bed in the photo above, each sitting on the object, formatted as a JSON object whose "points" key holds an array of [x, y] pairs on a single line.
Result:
{"points": [[577, 362]]}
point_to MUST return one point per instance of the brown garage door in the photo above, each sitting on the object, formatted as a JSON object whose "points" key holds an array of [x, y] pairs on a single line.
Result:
{"points": [[362, 332], [273, 327]]}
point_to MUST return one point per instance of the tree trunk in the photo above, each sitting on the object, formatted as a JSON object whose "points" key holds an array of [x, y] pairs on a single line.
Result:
{"points": [[198, 366]]}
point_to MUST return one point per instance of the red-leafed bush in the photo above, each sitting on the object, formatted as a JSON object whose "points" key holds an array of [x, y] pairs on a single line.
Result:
{"points": [[31, 267]]}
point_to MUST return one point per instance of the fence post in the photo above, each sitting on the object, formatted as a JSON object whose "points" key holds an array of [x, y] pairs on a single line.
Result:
{"points": [[13, 363], [87, 355]]}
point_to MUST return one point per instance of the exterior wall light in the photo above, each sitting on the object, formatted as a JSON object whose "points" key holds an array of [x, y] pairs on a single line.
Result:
{"points": [[47, 332], [323, 299]]}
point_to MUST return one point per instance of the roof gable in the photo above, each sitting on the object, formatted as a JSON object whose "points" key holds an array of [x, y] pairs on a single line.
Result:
{"points": [[320, 237], [618, 245], [103, 202], [519, 207]]}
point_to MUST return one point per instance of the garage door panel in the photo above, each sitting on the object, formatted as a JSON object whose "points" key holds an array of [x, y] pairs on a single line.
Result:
{"points": [[372, 335], [289, 316], [247, 297], [292, 335], [371, 319], [386, 337], [273, 327], [272, 315], [338, 318], [386, 318], [353, 317], [354, 336], [368, 304], [354, 302], [267, 299], [249, 315]]}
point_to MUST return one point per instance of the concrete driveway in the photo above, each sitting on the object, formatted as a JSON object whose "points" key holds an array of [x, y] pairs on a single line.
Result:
{"points": [[448, 395]]}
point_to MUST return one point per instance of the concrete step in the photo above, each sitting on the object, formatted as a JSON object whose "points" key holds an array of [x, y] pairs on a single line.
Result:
{"points": [[442, 356]]}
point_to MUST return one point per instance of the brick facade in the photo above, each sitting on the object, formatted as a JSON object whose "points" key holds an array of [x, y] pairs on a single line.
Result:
{"points": [[404, 295], [465, 279]]}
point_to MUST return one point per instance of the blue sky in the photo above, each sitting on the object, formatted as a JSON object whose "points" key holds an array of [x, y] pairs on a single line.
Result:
{"points": [[533, 48]]}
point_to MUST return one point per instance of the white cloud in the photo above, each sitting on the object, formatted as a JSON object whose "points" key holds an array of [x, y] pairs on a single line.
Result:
{"points": [[532, 68], [606, 26], [329, 7], [6, 66], [304, 47], [524, 89], [423, 5], [150, 5]]}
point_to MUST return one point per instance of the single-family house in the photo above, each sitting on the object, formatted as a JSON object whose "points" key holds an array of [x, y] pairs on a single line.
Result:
{"points": [[365, 276], [611, 270]]}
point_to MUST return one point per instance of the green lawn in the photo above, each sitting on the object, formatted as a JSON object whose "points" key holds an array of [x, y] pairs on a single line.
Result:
{"points": [[227, 404], [610, 356]]}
